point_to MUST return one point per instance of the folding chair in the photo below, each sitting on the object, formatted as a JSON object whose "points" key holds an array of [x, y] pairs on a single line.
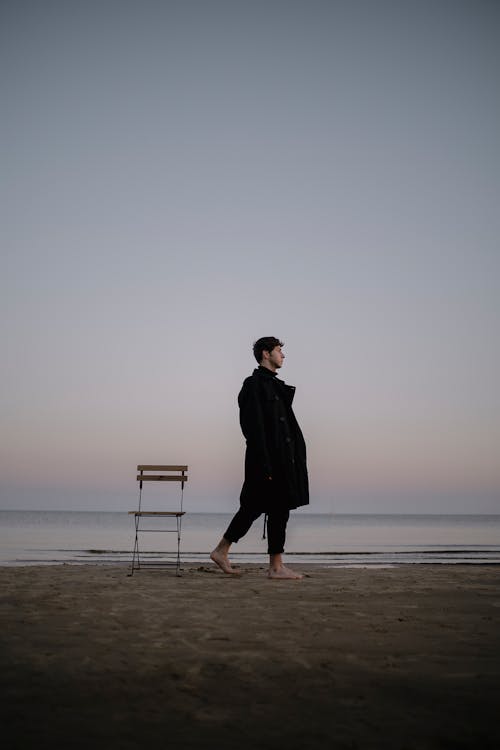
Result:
{"points": [[161, 474]]}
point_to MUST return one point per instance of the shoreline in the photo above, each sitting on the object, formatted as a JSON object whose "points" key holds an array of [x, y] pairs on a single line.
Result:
{"points": [[191, 566]]}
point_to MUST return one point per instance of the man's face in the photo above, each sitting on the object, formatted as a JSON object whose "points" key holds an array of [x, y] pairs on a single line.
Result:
{"points": [[275, 358]]}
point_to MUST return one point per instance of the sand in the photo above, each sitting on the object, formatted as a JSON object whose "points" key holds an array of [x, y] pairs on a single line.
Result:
{"points": [[404, 657]]}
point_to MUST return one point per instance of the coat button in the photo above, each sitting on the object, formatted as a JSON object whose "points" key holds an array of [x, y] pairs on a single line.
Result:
{"points": [[276, 398], [282, 419], [288, 440]]}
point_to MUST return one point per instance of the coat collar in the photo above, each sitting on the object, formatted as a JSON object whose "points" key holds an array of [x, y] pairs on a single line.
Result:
{"points": [[265, 371]]}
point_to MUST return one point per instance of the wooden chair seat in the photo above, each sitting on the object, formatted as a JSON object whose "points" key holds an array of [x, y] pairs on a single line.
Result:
{"points": [[157, 512]]}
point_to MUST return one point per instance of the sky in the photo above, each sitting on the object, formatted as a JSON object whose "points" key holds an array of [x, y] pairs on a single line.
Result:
{"points": [[181, 178]]}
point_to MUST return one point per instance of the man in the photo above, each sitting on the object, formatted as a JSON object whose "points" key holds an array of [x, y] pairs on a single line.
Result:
{"points": [[275, 460]]}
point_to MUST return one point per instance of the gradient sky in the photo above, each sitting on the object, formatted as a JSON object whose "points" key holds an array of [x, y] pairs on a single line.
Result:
{"points": [[181, 178]]}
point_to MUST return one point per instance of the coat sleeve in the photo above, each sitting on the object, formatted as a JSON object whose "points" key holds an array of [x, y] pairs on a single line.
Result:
{"points": [[252, 425]]}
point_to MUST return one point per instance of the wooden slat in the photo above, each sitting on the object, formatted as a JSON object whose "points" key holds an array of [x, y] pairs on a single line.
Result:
{"points": [[154, 467], [161, 478], [157, 513]]}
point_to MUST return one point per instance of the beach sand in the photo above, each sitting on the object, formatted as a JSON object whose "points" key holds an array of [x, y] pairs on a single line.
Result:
{"points": [[404, 657]]}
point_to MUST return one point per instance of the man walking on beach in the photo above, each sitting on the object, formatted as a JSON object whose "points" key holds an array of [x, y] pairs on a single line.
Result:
{"points": [[275, 460]]}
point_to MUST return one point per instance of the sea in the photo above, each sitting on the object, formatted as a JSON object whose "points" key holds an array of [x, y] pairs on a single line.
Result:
{"points": [[32, 537]]}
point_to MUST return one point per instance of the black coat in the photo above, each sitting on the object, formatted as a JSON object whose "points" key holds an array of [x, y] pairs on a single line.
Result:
{"points": [[275, 444]]}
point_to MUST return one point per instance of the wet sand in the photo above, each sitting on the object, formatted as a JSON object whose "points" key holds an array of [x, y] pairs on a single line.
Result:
{"points": [[405, 658]]}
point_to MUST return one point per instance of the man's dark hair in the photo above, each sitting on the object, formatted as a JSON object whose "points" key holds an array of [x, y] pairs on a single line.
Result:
{"points": [[267, 344]]}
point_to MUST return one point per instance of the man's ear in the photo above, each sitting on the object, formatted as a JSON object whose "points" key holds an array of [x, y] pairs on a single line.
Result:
{"points": [[265, 355]]}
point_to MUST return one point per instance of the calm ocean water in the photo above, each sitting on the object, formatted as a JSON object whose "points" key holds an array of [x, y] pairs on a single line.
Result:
{"points": [[78, 537]]}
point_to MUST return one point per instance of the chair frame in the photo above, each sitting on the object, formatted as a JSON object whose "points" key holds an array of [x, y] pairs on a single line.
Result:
{"points": [[166, 475]]}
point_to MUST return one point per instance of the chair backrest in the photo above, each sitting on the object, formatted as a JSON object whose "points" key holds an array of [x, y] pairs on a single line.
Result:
{"points": [[156, 473], [167, 473]]}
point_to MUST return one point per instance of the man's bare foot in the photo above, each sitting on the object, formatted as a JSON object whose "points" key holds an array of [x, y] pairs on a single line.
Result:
{"points": [[222, 560], [283, 572]]}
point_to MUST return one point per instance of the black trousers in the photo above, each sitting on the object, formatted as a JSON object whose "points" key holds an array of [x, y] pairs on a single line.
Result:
{"points": [[276, 527]]}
